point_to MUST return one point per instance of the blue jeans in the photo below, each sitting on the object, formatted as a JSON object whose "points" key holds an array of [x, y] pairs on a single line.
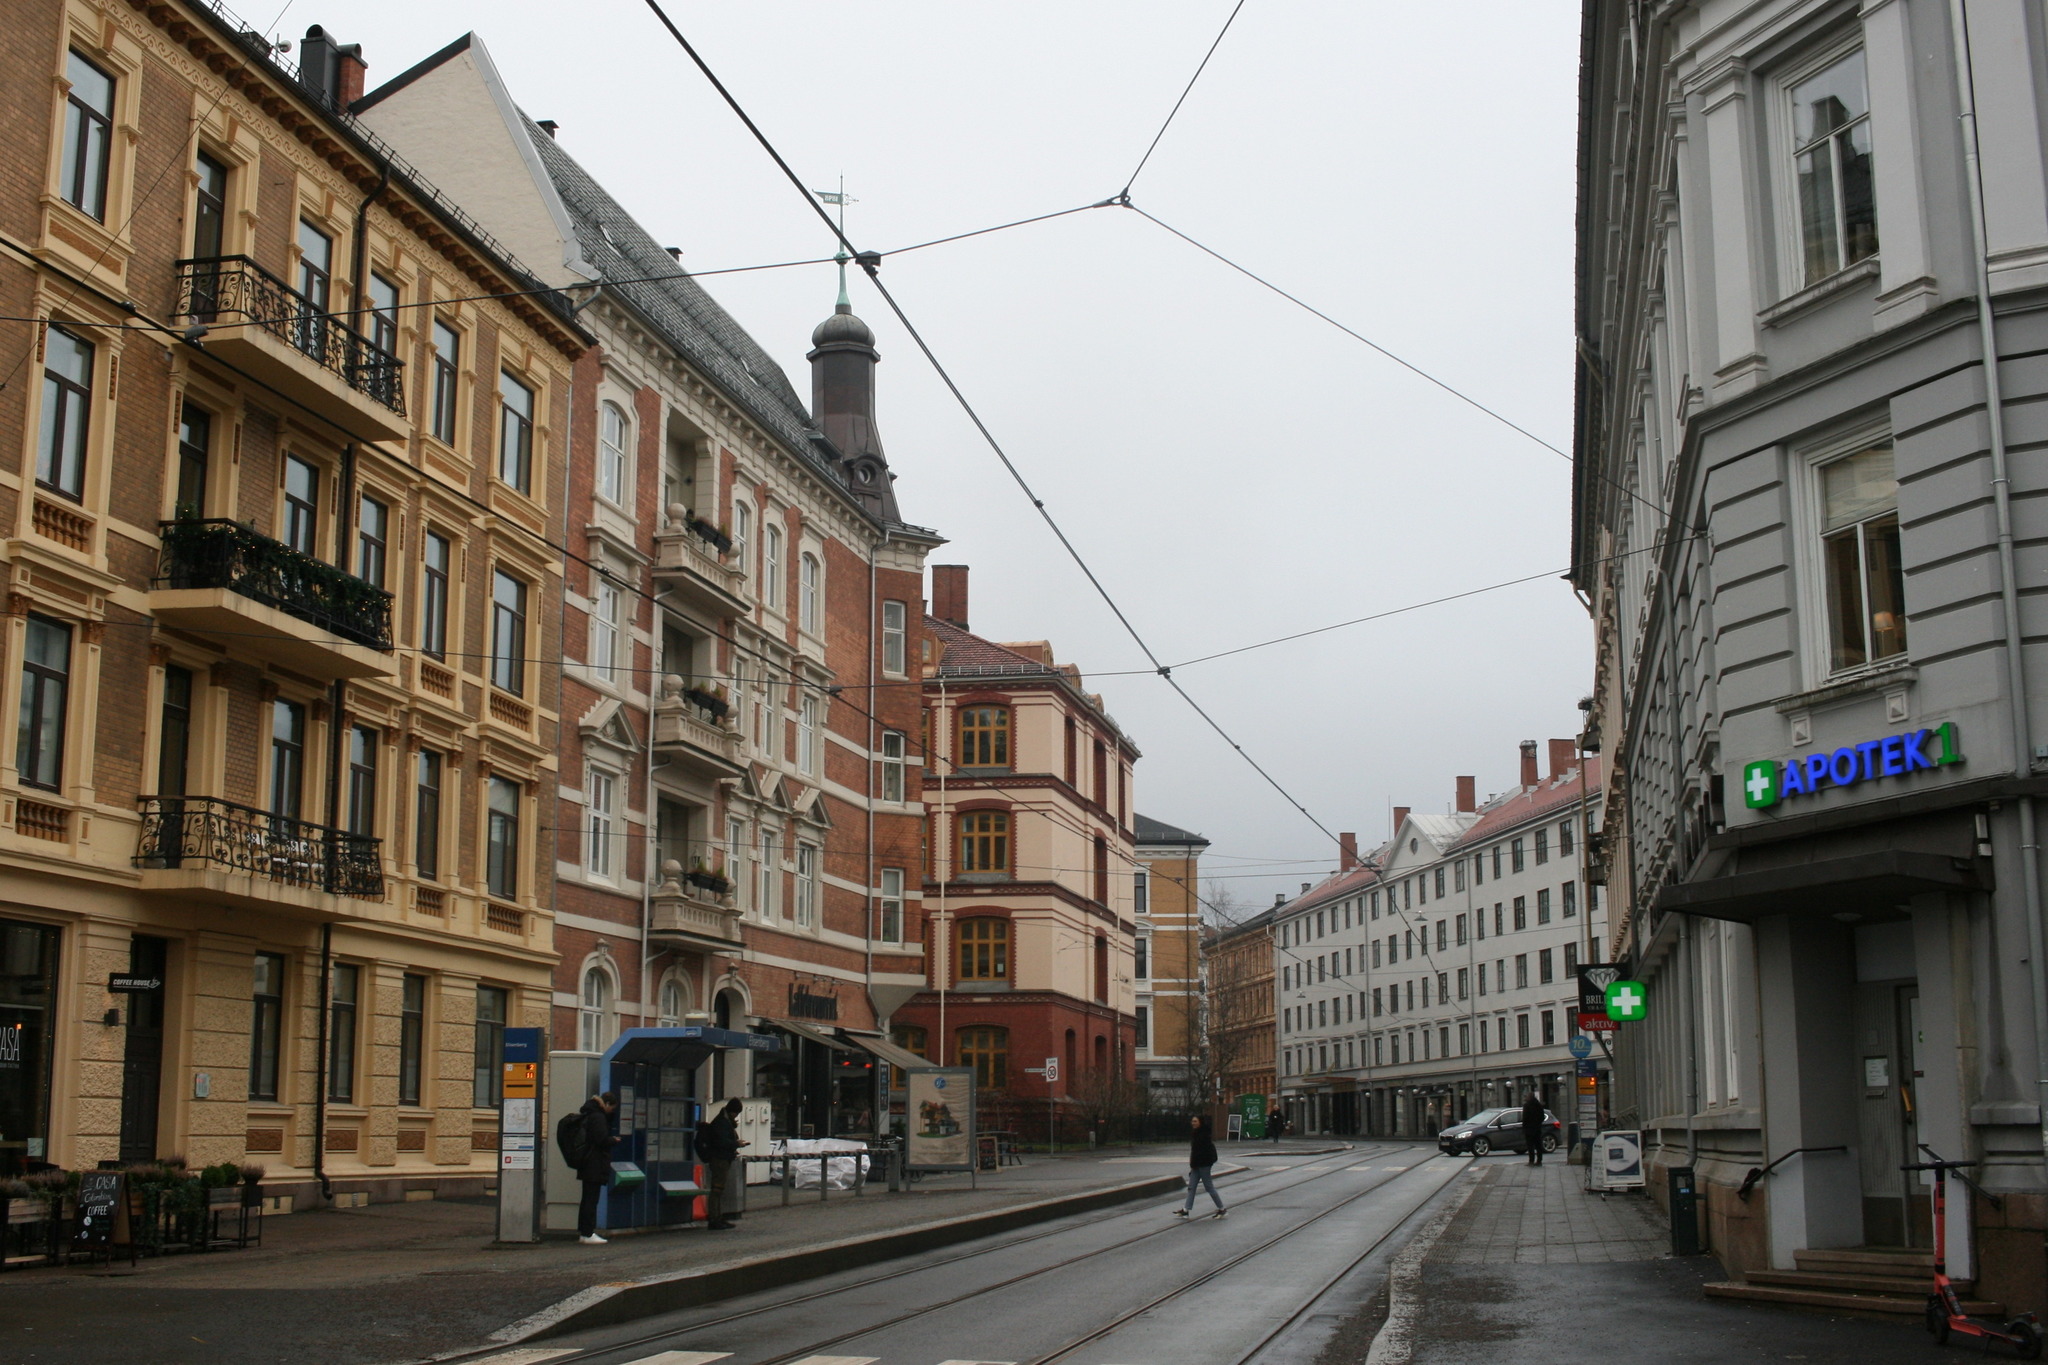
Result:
{"points": [[1199, 1177]]}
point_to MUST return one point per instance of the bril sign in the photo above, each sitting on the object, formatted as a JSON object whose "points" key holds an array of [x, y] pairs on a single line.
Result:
{"points": [[1766, 782]]}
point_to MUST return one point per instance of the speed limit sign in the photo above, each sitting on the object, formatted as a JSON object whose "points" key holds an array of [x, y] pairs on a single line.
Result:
{"points": [[1052, 1070]]}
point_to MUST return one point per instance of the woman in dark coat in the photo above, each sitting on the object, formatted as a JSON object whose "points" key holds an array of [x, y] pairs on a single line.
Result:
{"points": [[595, 1170], [1201, 1165], [1532, 1128]]}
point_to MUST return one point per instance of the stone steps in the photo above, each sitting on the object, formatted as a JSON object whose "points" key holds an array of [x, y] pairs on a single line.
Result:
{"points": [[1868, 1281], [1875, 1305]]}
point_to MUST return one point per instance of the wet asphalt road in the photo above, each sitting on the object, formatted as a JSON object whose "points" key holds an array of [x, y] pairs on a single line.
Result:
{"points": [[1127, 1287]]}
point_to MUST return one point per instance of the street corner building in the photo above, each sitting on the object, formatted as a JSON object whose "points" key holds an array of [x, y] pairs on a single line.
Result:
{"points": [[1031, 879], [740, 823], [1435, 977], [284, 445], [1812, 264], [1167, 968]]}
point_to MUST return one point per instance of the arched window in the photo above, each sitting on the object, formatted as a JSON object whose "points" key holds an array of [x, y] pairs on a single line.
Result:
{"points": [[984, 950], [810, 582], [986, 1048], [985, 737], [594, 1019], [910, 1038], [675, 1002], [611, 454], [984, 841]]}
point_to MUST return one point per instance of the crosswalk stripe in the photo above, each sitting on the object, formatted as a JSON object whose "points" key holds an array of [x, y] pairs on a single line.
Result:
{"points": [[681, 1358], [526, 1355]]}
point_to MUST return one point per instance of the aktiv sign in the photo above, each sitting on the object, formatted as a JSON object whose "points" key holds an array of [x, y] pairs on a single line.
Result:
{"points": [[1767, 781]]}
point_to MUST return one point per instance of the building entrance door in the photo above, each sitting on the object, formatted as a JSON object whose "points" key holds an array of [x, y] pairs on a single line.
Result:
{"points": [[142, 1057], [1887, 1013]]}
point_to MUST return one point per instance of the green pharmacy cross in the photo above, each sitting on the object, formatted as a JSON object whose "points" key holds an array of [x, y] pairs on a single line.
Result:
{"points": [[1627, 1001]]}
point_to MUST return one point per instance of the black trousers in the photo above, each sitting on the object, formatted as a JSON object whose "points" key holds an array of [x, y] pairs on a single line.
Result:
{"points": [[1534, 1141], [586, 1212]]}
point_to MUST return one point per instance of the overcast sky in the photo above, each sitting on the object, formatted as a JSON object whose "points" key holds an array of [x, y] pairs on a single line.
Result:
{"points": [[1232, 468]]}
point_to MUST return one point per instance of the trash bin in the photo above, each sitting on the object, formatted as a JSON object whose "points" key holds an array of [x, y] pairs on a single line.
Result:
{"points": [[1685, 1212]]}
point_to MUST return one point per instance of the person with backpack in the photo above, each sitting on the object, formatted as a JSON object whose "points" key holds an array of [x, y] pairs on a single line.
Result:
{"points": [[585, 1139], [718, 1143], [1201, 1167]]}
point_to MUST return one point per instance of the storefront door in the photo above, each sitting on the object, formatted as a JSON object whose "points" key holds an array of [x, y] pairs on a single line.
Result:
{"points": [[1887, 1128], [142, 1058], [28, 999]]}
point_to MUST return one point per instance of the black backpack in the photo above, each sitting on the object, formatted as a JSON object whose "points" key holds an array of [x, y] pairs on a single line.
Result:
{"points": [[572, 1139]]}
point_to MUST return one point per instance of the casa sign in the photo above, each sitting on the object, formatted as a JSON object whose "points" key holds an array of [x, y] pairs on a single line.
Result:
{"points": [[1768, 781]]}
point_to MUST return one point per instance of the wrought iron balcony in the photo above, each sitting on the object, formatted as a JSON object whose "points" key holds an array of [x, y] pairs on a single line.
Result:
{"points": [[256, 319], [205, 832], [227, 554]]}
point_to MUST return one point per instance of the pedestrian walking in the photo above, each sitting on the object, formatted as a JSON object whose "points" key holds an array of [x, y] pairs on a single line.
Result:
{"points": [[718, 1143], [1532, 1128], [586, 1141], [1201, 1166], [1276, 1123]]}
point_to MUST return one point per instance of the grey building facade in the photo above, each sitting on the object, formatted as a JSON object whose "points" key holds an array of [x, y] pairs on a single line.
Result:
{"points": [[1809, 523]]}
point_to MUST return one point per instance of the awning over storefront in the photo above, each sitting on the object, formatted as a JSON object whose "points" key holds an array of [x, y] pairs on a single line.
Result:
{"points": [[682, 1047], [887, 1051], [817, 1036], [1872, 884]]}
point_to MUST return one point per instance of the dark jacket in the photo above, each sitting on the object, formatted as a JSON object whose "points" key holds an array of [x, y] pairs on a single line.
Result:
{"points": [[718, 1139], [1532, 1117], [1201, 1147], [597, 1144], [1276, 1123]]}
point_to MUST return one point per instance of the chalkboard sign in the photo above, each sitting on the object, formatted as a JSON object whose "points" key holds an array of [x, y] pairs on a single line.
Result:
{"points": [[99, 1205]]}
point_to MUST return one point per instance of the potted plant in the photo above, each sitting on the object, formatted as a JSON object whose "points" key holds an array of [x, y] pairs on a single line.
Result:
{"points": [[708, 697], [251, 1174], [707, 879], [705, 531]]}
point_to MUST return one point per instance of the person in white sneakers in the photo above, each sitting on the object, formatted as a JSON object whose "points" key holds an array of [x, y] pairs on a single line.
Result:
{"points": [[587, 1144], [1201, 1165]]}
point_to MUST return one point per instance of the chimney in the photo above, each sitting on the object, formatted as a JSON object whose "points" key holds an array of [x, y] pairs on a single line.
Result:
{"points": [[1400, 818], [949, 593], [1530, 777], [1563, 757], [329, 71], [546, 125], [1347, 845], [1279, 899], [1468, 796], [349, 74], [1305, 886]]}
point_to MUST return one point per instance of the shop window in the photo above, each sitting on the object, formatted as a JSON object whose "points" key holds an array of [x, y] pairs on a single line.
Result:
{"points": [[986, 1048], [984, 950]]}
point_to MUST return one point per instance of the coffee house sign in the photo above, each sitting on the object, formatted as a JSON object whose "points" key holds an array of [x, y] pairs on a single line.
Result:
{"points": [[1768, 782]]}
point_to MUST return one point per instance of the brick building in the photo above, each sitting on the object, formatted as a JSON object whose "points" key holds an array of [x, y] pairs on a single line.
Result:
{"points": [[282, 452], [1238, 965], [739, 809], [1030, 880]]}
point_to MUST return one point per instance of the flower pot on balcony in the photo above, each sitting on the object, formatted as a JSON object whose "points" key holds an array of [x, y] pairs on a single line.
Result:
{"points": [[709, 534], [703, 880], [709, 701]]}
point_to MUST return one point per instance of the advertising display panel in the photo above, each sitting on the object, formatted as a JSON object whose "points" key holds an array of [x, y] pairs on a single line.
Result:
{"points": [[941, 1118]]}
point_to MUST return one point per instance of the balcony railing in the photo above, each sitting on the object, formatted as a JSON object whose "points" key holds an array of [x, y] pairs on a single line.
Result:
{"points": [[227, 554], [207, 832], [234, 289]]}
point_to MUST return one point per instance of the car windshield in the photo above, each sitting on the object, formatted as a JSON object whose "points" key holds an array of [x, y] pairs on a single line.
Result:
{"points": [[1484, 1116]]}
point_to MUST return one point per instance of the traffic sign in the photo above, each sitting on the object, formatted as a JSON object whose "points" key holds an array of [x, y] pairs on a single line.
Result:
{"points": [[1588, 1067], [1582, 1046], [1052, 1070], [1627, 1001]]}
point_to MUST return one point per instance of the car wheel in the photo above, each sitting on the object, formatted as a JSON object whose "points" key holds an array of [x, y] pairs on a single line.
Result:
{"points": [[1480, 1146], [1550, 1142]]}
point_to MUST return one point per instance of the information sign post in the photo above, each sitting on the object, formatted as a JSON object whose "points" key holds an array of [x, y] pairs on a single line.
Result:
{"points": [[519, 1200]]}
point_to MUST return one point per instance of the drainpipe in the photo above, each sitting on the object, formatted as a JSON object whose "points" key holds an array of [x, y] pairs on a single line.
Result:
{"points": [[2008, 573], [320, 1064], [652, 869], [942, 863]]}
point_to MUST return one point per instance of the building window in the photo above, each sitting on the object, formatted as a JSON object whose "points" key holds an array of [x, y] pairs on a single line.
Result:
{"points": [[1521, 912], [985, 841], [810, 585], [984, 949], [1141, 892], [742, 535], [598, 804], [674, 1003], [316, 276], [515, 432], [436, 561], [1544, 973], [426, 834], [611, 454], [892, 765], [807, 734], [174, 738], [373, 529], [195, 453], [287, 758], [1831, 160], [266, 1022], [1521, 971], [209, 212], [594, 1016], [493, 1012], [894, 632], [605, 606], [1542, 847], [909, 1037], [1516, 857], [986, 1048], [502, 839], [1141, 966], [301, 505], [890, 930], [67, 408], [447, 369], [1564, 839], [1439, 883], [412, 1037], [771, 565], [806, 884], [1521, 1030], [1571, 899], [341, 1033], [735, 851], [383, 316], [985, 737], [1543, 906], [1464, 983], [362, 781], [770, 870], [1571, 959], [1860, 547], [1144, 1031], [508, 633], [45, 702], [88, 136]]}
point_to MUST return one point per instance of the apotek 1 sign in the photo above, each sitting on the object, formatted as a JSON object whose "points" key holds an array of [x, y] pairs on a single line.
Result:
{"points": [[1627, 1001], [1767, 781]]}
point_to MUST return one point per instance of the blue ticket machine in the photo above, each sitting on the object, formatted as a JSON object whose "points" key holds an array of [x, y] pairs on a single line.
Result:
{"points": [[658, 1180]]}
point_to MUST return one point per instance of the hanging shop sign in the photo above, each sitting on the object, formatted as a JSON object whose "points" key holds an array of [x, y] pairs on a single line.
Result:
{"points": [[804, 1005], [1768, 781]]}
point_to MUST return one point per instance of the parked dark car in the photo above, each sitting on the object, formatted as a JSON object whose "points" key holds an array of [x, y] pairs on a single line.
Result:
{"points": [[1496, 1130]]}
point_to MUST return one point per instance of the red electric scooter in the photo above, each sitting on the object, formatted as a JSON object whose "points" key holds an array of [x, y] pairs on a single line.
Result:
{"points": [[1945, 1315]]}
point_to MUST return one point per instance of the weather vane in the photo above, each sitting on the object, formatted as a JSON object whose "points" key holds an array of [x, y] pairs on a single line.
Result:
{"points": [[840, 199]]}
